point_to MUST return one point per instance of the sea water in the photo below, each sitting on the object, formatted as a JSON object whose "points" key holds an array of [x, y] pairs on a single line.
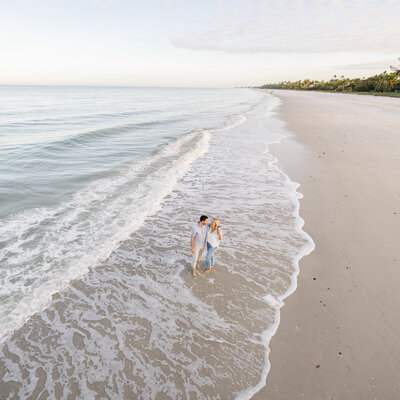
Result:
{"points": [[98, 190]]}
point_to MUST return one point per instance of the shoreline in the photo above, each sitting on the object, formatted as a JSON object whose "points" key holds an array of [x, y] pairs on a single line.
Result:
{"points": [[336, 337]]}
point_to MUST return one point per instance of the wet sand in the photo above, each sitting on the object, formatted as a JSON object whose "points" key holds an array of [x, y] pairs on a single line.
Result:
{"points": [[339, 332]]}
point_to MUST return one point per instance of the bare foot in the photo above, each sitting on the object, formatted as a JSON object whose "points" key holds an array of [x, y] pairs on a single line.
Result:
{"points": [[194, 273]]}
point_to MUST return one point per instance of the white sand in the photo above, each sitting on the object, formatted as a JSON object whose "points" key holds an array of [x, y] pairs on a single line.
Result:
{"points": [[339, 332]]}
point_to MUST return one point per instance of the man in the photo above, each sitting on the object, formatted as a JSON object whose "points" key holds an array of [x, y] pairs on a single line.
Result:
{"points": [[198, 241]]}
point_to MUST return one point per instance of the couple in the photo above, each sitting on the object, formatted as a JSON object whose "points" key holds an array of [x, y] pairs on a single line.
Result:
{"points": [[204, 234]]}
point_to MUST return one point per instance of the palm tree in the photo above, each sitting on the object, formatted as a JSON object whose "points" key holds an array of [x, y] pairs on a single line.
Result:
{"points": [[381, 80]]}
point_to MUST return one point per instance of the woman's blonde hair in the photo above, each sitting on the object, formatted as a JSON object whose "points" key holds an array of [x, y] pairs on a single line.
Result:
{"points": [[216, 220]]}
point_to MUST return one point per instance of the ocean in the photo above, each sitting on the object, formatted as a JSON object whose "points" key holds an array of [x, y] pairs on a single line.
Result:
{"points": [[99, 187]]}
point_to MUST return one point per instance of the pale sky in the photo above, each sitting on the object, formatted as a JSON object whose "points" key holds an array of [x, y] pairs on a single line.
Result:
{"points": [[194, 43]]}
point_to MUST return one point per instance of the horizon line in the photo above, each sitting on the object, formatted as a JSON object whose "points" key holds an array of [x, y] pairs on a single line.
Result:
{"points": [[121, 86]]}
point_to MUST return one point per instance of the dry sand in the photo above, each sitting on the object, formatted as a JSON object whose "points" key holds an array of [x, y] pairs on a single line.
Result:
{"points": [[339, 332]]}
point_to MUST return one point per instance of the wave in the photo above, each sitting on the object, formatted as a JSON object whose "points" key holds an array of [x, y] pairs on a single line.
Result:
{"points": [[45, 121], [89, 136]]}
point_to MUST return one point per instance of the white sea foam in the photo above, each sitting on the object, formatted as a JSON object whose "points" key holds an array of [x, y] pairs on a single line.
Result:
{"points": [[272, 301]]}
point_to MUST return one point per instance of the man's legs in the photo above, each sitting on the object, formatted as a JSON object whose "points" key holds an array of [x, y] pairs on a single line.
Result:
{"points": [[198, 251]]}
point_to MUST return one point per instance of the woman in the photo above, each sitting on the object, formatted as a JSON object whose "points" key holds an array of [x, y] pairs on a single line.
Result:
{"points": [[214, 237]]}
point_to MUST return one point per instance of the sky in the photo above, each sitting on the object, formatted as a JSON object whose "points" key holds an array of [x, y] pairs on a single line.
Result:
{"points": [[194, 43]]}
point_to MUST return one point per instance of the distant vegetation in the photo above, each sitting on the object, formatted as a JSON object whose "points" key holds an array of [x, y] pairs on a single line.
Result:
{"points": [[386, 82]]}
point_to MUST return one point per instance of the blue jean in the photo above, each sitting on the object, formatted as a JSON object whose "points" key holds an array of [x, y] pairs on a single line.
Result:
{"points": [[210, 255]]}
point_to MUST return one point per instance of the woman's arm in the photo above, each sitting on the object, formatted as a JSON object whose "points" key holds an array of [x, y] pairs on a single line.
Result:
{"points": [[219, 233]]}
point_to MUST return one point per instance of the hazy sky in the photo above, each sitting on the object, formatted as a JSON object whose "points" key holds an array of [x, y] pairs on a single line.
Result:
{"points": [[212, 43]]}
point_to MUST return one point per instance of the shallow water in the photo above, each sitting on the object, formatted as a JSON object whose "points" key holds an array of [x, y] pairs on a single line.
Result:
{"points": [[137, 324]]}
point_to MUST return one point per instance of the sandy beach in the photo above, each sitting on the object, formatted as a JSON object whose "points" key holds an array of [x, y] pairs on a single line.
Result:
{"points": [[338, 336], [137, 325]]}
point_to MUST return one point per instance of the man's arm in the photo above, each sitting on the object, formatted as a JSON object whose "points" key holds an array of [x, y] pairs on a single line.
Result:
{"points": [[192, 243]]}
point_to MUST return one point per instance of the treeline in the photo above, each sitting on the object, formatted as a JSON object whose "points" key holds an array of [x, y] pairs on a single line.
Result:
{"points": [[384, 82]]}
